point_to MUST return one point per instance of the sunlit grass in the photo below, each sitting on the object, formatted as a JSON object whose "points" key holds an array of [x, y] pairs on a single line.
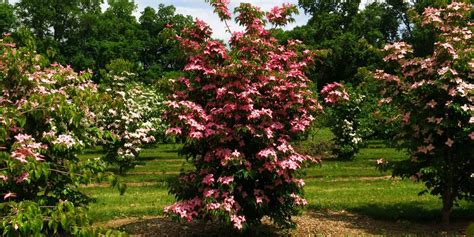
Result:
{"points": [[355, 186], [137, 201]]}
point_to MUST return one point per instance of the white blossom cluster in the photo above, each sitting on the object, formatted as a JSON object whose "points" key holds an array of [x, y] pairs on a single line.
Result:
{"points": [[348, 131], [133, 117], [346, 125]]}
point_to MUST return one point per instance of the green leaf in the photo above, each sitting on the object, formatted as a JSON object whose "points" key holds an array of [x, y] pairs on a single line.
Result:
{"points": [[122, 187], [3, 134], [64, 221], [108, 233], [22, 121], [470, 231], [112, 180]]}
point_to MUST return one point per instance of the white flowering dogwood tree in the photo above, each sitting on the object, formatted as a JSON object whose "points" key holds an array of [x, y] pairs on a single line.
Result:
{"points": [[132, 114], [343, 111]]}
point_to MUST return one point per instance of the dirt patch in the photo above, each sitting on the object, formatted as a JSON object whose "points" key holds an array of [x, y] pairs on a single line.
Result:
{"points": [[153, 172], [321, 223], [129, 184], [344, 223]]}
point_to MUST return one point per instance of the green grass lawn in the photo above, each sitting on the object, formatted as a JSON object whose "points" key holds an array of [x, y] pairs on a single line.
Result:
{"points": [[354, 186]]}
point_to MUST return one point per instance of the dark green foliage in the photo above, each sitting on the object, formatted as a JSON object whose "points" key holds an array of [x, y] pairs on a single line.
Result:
{"points": [[160, 53], [348, 37], [53, 23], [7, 18], [78, 33]]}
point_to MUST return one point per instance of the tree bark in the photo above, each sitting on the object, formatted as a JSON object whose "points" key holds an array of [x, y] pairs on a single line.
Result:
{"points": [[446, 212], [447, 196]]}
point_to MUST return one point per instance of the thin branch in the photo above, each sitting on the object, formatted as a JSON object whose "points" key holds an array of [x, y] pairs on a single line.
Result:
{"points": [[228, 28]]}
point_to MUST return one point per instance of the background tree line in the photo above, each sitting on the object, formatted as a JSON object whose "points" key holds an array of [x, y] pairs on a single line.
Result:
{"points": [[85, 35]]}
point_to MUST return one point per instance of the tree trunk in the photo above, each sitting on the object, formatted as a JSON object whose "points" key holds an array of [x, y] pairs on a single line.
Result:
{"points": [[446, 212], [447, 196]]}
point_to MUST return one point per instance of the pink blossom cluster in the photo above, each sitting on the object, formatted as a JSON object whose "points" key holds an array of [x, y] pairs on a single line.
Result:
{"points": [[65, 140], [24, 150], [26, 147], [237, 221], [239, 108], [398, 51], [381, 75], [221, 7], [281, 16], [186, 210], [334, 93]]}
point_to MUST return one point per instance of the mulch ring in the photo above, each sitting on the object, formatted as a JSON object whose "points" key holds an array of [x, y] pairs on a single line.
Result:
{"points": [[320, 223]]}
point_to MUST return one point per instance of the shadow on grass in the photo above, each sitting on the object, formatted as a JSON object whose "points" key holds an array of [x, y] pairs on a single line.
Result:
{"points": [[143, 159], [170, 150], [415, 211], [349, 161], [412, 211], [153, 157], [94, 150]]}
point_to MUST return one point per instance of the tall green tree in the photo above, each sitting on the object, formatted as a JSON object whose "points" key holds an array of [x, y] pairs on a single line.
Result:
{"points": [[161, 53], [119, 35], [80, 34], [53, 21], [348, 37], [7, 17]]}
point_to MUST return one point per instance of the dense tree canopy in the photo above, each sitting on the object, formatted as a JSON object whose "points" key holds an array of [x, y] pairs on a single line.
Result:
{"points": [[7, 18], [160, 53], [79, 33], [348, 37]]}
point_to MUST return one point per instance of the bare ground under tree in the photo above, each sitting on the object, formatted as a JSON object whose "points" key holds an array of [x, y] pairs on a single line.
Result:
{"points": [[311, 223]]}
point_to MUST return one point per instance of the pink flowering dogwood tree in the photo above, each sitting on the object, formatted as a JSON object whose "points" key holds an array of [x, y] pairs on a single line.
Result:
{"points": [[238, 108], [45, 122], [436, 97]]}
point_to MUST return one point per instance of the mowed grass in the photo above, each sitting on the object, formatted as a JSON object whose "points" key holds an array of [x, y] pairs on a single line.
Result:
{"points": [[354, 186]]}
